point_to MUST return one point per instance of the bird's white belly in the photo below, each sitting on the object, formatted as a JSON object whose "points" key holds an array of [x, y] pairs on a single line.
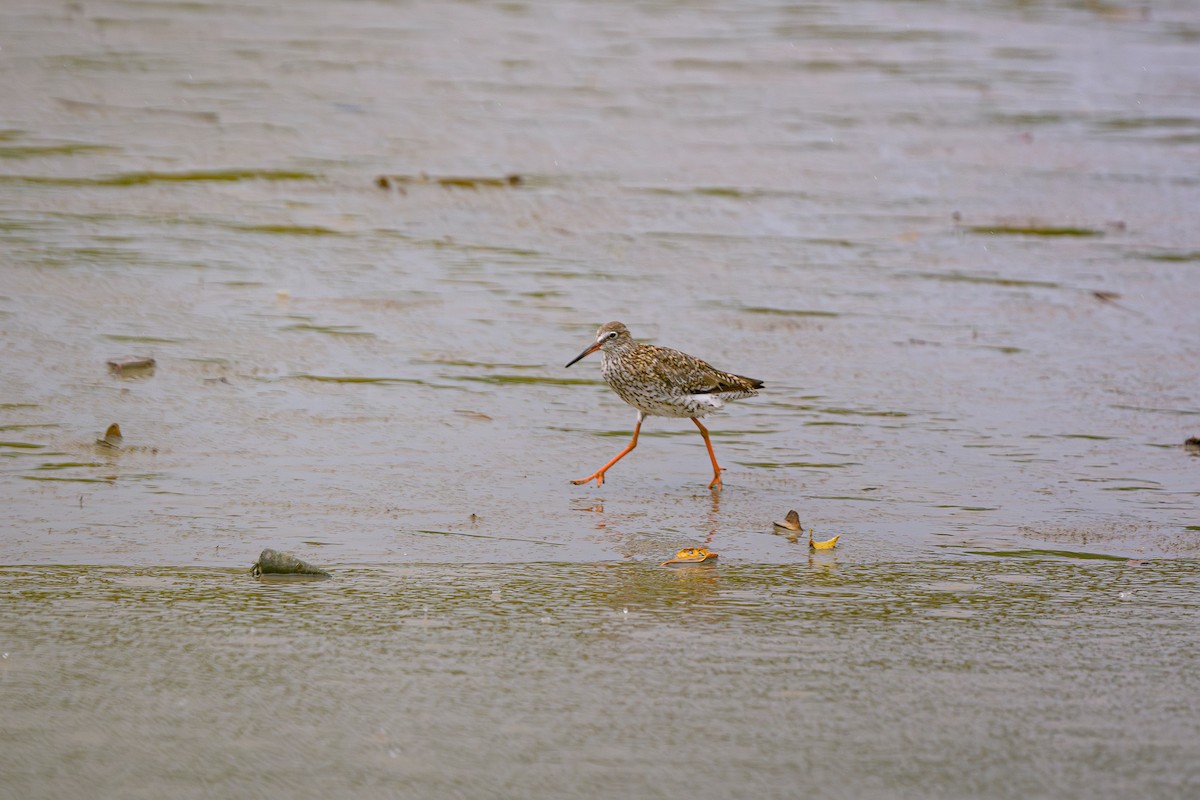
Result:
{"points": [[680, 406]]}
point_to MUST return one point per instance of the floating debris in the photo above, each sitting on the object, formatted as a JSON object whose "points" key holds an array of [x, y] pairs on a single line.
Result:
{"points": [[828, 544], [130, 364], [112, 437], [272, 563], [790, 523], [1192, 445], [691, 555], [448, 182]]}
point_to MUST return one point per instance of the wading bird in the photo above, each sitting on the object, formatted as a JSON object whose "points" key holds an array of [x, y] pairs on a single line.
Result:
{"points": [[662, 382]]}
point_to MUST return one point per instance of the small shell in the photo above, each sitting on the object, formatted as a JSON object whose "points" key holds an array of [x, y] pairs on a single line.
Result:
{"points": [[274, 563], [790, 523], [112, 437]]}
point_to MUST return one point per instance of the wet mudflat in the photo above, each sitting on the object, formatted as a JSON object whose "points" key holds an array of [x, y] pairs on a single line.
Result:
{"points": [[958, 244], [970, 679]]}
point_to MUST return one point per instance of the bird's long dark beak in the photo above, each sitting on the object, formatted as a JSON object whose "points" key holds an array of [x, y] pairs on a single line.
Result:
{"points": [[587, 352]]}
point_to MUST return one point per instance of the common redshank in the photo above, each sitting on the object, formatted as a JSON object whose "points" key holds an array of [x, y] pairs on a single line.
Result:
{"points": [[662, 382]]}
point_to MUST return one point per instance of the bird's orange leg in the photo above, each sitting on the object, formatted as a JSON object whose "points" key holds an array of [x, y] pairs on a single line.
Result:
{"points": [[599, 474], [716, 481]]}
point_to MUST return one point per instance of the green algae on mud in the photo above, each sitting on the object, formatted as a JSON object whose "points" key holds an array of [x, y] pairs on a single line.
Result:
{"points": [[1036, 553], [487, 536], [451, 181], [331, 330], [967, 508], [290, 230], [356, 379], [1033, 230], [789, 312], [57, 479], [53, 465], [507, 380], [992, 280], [47, 150], [1177, 256], [799, 464], [186, 176], [142, 339], [850, 497], [862, 412], [727, 192], [462, 362]]}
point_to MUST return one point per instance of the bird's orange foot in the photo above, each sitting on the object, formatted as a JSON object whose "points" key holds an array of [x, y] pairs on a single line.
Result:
{"points": [[598, 476], [716, 481]]}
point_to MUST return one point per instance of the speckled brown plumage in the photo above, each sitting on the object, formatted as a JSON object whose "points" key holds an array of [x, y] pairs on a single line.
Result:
{"points": [[662, 382]]}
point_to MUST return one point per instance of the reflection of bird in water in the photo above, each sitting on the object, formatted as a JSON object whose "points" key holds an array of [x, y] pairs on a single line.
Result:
{"points": [[662, 382]]}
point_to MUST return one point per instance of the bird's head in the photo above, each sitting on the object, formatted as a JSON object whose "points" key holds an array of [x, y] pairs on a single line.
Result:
{"points": [[611, 337]]}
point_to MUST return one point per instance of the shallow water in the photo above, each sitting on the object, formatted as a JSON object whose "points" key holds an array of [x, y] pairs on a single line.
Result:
{"points": [[957, 242], [827, 676]]}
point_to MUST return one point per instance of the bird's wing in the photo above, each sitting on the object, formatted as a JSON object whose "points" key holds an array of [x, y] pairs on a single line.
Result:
{"points": [[690, 375], [720, 382]]}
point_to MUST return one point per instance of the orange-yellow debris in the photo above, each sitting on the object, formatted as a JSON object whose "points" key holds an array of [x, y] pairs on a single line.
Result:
{"points": [[828, 544], [691, 555]]}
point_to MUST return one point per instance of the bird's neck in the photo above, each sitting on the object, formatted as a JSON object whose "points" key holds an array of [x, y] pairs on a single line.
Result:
{"points": [[617, 351]]}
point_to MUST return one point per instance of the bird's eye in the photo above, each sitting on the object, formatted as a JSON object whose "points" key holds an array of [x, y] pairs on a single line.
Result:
{"points": [[612, 334]]}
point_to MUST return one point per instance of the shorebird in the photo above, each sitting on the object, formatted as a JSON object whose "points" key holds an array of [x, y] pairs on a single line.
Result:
{"points": [[662, 382]]}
